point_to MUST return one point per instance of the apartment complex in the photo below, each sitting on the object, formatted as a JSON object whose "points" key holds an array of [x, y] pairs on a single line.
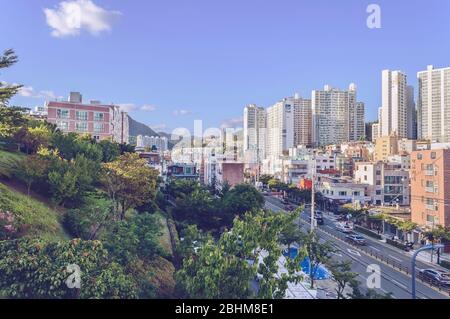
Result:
{"points": [[280, 128], [398, 108], [336, 116], [100, 121], [160, 142], [430, 187], [434, 104], [255, 133], [386, 146]]}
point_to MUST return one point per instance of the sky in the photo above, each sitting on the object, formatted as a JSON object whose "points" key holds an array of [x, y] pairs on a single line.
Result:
{"points": [[171, 62]]}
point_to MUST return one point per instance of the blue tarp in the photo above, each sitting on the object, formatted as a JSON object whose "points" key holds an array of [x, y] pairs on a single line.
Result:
{"points": [[321, 272]]}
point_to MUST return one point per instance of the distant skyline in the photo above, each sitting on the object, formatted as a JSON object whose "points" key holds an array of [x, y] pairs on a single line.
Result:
{"points": [[171, 62]]}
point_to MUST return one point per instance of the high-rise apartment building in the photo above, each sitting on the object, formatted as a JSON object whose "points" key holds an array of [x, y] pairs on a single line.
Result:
{"points": [[375, 132], [434, 104], [255, 132], [337, 117], [280, 128], [397, 111], [302, 120]]}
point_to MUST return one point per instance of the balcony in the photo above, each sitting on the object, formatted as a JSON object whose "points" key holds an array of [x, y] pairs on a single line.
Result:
{"points": [[430, 172], [433, 207]]}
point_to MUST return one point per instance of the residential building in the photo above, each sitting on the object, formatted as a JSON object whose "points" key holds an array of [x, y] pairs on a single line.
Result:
{"points": [[430, 187], [336, 116], [161, 143], [340, 191], [434, 104], [280, 128], [397, 105], [386, 146], [254, 133], [302, 121], [231, 173], [100, 121], [389, 182], [182, 171]]}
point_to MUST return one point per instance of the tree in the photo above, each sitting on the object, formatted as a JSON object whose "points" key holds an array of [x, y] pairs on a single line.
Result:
{"points": [[370, 294], [129, 181], [34, 268], [110, 150], [265, 179], [31, 169], [7, 91], [90, 219], [225, 268], [239, 200], [317, 252], [342, 276], [35, 137], [134, 237]]}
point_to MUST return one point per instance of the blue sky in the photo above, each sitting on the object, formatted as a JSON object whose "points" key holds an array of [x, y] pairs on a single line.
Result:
{"points": [[207, 59]]}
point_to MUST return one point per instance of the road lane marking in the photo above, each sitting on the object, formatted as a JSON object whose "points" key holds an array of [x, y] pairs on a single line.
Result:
{"points": [[354, 252], [399, 284], [371, 247], [395, 258]]}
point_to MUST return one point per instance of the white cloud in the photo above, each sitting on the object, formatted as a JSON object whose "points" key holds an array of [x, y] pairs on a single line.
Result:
{"points": [[69, 17], [148, 108], [181, 112], [232, 123], [129, 107], [30, 92]]}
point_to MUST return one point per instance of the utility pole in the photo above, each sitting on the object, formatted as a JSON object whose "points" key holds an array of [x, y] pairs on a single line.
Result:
{"points": [[313, 191]]}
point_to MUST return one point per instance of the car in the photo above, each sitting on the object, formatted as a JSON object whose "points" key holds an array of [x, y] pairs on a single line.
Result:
{"points": [[356, 239], [436, 276], [345, 228], [290, 208], [317, 217]]}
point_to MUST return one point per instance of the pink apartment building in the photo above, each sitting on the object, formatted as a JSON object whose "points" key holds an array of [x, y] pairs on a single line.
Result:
{"points": [[100, 121]]}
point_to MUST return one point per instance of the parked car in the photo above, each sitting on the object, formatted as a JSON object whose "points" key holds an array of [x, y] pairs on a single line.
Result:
{"points": [[436, 276], [356, 239], [345, 228]]}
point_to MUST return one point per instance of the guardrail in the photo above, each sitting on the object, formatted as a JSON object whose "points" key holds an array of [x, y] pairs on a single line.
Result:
{"points": [[392, 263]]}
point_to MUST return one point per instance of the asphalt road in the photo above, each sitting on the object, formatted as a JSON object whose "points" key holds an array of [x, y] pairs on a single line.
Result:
{"points": [[392, 280]]}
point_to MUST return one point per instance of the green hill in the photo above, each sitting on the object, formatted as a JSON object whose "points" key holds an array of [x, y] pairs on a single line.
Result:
{"points": [[34, 218]]}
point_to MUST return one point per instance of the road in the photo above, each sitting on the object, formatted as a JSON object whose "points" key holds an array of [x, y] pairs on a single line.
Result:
{"points": [[392, 280]]}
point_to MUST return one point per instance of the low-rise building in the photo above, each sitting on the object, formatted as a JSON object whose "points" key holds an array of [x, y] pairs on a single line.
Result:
{"points": [[430, 187]]}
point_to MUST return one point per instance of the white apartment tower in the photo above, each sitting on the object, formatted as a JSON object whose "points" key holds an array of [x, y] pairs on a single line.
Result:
{"points": [[255, 132], [397, 110], [434, 104], [280, 128], [336, 116]]}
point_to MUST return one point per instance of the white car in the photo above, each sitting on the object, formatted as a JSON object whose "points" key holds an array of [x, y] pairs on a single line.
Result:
{"points": [[343, 227]]}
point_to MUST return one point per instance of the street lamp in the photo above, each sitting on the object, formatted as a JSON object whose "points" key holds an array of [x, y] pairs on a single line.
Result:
{"points": [[413, 266]]}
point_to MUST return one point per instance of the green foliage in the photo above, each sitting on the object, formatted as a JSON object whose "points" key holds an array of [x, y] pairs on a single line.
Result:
{"points": [[343, 277], [8, 163], [129, 181], [38, 269], [7, 91], [239, 200], [370, 294], [31, 169], [223, 269], [265, 179], [89, 220], [136, 236], [318, 253]]}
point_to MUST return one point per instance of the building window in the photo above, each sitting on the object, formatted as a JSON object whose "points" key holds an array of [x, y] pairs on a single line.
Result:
{"points": [[99, 128], [82, 115], [62, 114], [81, 126], [64, 126], [419, 156], [99, 117], [433, 155]]}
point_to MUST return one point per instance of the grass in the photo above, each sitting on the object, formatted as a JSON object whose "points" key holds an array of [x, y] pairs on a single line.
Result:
{"points": [[38, 219], [164, 239], [8, 161]]}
